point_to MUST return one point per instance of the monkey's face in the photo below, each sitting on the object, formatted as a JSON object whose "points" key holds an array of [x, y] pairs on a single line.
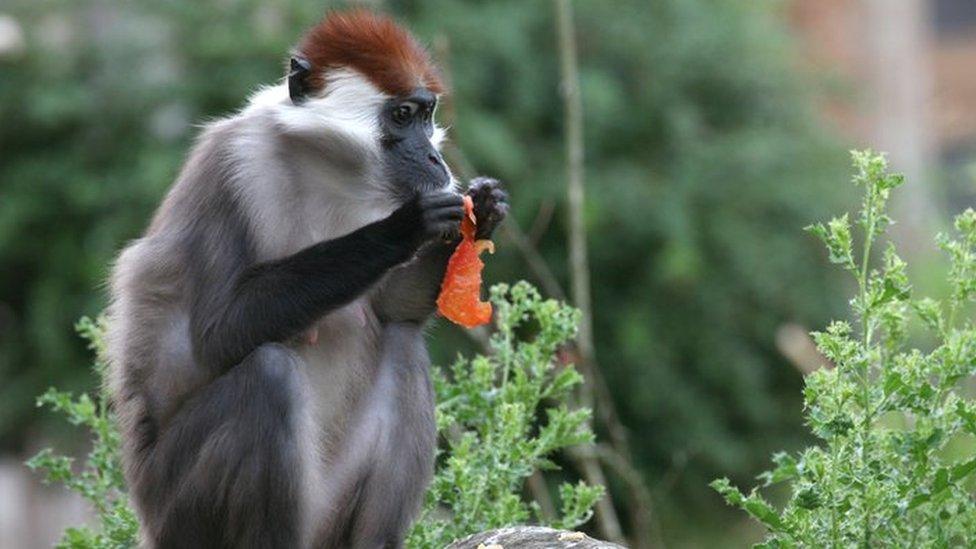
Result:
{"points": [[372, 88], [411, 159]]}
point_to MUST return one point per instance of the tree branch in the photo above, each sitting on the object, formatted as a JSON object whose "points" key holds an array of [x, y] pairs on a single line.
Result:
{"points": [[579, 267], [606, 515]]}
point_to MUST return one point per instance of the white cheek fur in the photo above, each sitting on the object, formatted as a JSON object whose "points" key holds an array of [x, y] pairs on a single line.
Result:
{"points": [[347, 111], [439, 137], [343, 120]]}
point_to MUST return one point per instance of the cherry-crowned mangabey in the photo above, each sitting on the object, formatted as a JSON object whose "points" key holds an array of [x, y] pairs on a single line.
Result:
{"points": [[268, 364]]}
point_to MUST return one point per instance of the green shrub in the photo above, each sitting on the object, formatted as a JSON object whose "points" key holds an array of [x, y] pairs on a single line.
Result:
{"points": [[896, 461], [487, 410], [487, 413], [100, 480]]}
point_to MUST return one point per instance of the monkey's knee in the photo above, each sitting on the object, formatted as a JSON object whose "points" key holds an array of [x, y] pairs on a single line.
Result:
{"points": [[272, 377], [273, 360], [274, 373], [402, 345]]}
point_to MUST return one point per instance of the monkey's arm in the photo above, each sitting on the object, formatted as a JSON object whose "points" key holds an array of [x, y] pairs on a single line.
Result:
{"points": [[409, 292], [276, 300]]}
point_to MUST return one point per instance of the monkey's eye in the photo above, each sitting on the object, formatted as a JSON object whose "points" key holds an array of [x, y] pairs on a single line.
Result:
{"points": [[404, 112]]}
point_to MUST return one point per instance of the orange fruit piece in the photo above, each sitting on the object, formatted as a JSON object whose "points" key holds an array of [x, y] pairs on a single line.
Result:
{"points": [[460, 297]]}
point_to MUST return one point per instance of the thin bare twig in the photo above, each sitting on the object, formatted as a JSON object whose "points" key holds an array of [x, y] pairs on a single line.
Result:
{"points": [[540, 492], [541, 222], [648, 531], [513, 232], [605, 514], [579, 268]]}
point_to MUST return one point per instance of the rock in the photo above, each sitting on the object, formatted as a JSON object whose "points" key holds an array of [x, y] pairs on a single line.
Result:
{"points": [[531, 537]]}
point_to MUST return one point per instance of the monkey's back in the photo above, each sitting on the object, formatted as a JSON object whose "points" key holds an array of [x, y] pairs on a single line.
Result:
{"points": [[151, 363], [153, 367]]}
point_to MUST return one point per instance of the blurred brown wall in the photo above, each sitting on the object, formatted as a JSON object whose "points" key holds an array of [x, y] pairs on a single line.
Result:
{"points": [[844, 38], [900, 78]]}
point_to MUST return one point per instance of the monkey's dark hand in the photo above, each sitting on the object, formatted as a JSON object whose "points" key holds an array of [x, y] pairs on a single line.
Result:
{"points": [[430, 215], [441, 214], [490, 205]]}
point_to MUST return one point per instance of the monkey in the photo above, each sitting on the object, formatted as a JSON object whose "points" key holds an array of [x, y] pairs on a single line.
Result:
{"points": [[267, 360]]}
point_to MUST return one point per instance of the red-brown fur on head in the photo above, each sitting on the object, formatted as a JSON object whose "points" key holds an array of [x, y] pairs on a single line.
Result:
{"points": [[372, 44]]}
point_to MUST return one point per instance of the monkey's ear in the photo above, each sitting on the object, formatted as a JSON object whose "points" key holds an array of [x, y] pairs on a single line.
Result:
{"points": [[299, 71]]}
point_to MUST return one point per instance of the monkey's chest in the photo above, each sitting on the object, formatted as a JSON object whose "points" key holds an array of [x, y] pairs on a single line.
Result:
{"points": [[341, 357]]}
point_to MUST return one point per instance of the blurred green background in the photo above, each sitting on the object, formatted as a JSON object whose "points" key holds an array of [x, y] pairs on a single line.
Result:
{"points": [[714, 131]]}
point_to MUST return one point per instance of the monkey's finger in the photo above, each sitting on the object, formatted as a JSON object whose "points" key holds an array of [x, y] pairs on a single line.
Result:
{"points": [[442, 200], [494, 206], [443, 229], [499, 194], [482, 181], [447, 213], [482, 186], [453, 215], [488, 196]]}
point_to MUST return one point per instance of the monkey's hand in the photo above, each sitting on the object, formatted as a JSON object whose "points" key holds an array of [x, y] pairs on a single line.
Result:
{"points": [[431, 215], [490, 205], [432, 221]]}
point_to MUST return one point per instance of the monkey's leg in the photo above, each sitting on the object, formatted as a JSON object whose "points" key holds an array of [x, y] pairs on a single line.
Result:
{"points": [[397, 462], [233, 460]]}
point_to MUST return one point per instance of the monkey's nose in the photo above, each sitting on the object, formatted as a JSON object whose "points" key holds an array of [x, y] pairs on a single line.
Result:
{"points": [[436, 160]]}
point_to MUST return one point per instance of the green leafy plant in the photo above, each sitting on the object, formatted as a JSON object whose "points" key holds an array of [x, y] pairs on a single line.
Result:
{"points": [[487, 412], [896, 462], [100, 481]]}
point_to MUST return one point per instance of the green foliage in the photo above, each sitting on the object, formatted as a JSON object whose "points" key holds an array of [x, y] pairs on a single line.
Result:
{"points": [[100, 480], [895, 465], [488, 411]]}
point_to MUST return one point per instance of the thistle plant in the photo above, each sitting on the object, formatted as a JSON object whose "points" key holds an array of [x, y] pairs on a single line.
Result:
{"points": [[488, 412], [100, 479], [897, 424]]}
